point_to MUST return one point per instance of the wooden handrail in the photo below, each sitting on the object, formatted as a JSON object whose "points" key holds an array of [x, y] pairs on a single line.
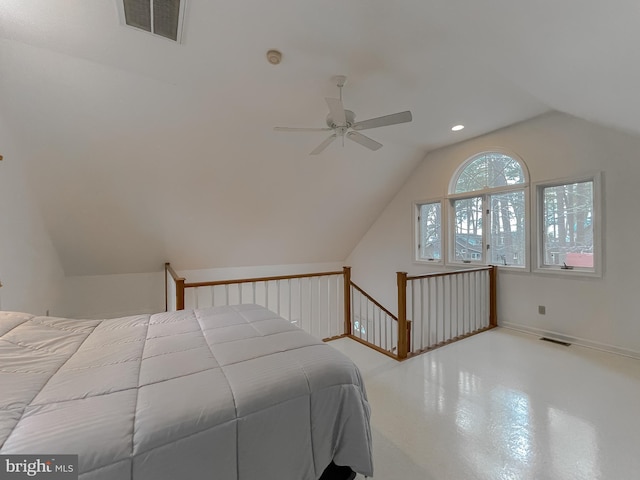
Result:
{"points": [[452, 272], [403, 344], [259, 279], [373, 300], [181, 284]]}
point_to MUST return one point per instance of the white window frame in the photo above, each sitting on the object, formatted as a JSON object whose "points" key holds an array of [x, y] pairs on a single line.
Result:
{"points": [[451, 225], [415, 219], [597, 269], [486, 195]]}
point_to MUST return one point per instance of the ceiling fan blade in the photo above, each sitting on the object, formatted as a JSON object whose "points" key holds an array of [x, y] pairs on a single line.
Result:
{"points": [[324, 145], [364, 140], [295, 129], [337, 111], [392, 119]]}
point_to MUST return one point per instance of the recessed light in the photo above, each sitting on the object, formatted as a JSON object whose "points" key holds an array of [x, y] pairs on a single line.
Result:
{"points": [[457, 128]]}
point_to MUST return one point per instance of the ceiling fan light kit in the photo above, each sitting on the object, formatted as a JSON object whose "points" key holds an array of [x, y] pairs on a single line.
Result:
{"points": [[342, 123]]}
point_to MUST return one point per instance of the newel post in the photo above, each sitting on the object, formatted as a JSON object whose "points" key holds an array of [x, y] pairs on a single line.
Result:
{"points": [[179, 282], [403, 340], [166, 287], [347, 300], [493, 290], [180, 294]]}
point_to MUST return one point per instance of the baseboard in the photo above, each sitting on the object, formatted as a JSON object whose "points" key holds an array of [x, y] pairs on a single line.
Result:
{"points": [[573, 340]]}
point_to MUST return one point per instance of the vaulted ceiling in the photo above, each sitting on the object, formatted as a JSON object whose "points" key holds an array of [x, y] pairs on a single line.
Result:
{"points": [[141, 150]]}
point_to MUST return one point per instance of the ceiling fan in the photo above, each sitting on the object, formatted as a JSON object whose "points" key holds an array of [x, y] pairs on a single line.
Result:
{"points": [[342, 123]]}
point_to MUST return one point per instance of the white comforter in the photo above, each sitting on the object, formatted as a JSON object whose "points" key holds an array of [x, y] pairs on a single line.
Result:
{"points": [[223, 393]]}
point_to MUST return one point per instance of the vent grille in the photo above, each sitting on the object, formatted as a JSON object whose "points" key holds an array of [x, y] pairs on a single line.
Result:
{"points": [[137, 13], [165, 18], [553, 340], [160, 17]]}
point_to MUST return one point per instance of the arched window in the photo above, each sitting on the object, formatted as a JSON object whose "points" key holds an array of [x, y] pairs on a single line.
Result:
{"points": [[488, 195], [488, 170]]}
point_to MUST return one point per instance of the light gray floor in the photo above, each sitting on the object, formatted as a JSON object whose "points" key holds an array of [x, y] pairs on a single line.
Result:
{"points": [[503, 405]]}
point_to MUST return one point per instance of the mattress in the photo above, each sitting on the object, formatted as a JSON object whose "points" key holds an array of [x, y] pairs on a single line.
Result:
{"points": [[230, 392]]}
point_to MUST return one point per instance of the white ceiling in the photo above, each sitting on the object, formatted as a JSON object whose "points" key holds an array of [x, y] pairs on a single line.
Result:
{"points": [[141, 150]]}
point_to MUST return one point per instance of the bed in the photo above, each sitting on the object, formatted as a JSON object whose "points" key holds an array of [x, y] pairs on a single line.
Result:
{"points": [[232, 392]]}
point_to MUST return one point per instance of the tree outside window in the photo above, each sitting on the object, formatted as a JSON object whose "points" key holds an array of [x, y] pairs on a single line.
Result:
{"points": [[568, 235], [489, 211], [430, 232]]}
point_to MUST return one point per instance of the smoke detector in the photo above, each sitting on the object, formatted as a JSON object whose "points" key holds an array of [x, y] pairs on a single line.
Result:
{"points": [[274, 57]]}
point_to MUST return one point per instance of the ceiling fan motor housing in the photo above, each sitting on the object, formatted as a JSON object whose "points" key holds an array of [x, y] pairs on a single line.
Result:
{"points": [[349, 115]]}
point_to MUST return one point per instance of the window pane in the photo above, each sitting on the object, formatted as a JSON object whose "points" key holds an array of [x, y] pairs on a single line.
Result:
{"points": [[568, 225], [507, 238], [489, 170], [430, 242], [468, 229]]}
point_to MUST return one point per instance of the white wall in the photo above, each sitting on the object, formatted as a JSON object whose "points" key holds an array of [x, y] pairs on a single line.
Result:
{"points": [[29, 265], [109, 296], [602, 312]]}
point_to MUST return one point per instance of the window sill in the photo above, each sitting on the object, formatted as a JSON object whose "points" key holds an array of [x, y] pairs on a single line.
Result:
{"points": [[510, 268], [470, 264], [438, 263], [567, 272]]}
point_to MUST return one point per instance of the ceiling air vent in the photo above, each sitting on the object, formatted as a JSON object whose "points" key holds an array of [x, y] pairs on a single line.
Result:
{"points": [[160, 17]]}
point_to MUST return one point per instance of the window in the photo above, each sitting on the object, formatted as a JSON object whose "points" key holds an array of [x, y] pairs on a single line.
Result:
{"points": [[468, 229], [429, 232], [488, 198], [568, 219]]}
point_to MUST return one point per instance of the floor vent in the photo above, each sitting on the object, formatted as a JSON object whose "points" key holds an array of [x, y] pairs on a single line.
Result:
{"points": [[559, 342], [160, 17]]}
